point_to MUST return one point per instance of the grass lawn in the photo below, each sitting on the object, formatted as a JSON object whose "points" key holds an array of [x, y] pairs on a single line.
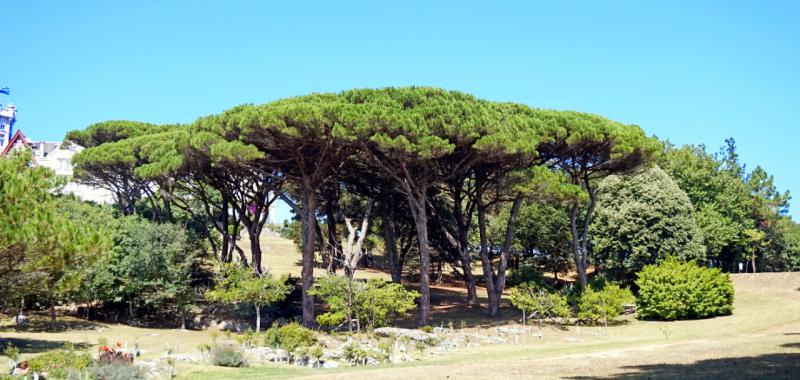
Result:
{"points": [[760, 340]]}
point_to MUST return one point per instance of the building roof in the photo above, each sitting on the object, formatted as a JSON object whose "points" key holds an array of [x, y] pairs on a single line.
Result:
{"points": [[18, 138]]}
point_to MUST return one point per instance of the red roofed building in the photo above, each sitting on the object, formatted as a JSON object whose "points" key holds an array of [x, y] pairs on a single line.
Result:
{"points": [[17, 142]]}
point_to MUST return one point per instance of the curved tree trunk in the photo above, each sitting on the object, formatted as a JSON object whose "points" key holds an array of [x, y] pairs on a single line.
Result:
{"points": [[486, 261], [309, 220], [469, 280], [500, 278], [417, 204]]}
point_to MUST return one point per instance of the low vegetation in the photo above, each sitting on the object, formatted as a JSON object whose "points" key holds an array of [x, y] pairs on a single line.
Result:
{"points": [[683, 290]]}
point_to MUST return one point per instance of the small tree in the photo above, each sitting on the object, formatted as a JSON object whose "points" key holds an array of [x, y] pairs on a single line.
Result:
{"points": [[241, 284], [372, 304], [541, 304], [604, 304]]}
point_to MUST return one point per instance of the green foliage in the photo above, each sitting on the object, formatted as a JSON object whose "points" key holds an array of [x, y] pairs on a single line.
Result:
{"points": [[117, 371], [682, 290], [526, 273], [641, 219], [374, 303], [109, 131], [289, 337], [150, 266], [58, 364], [542, 228], [537, 302], [225, 355], [241, 284], [729, 201], [42, 249], [604, 304], [11, 351]]}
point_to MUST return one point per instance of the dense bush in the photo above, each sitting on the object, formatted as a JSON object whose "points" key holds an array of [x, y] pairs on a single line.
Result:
{"points": [[682, 290], [58, 364], [604, 304], [289, 337], [373, 303], [227, 356], [149, 268], [117, 371], [537, 302]]}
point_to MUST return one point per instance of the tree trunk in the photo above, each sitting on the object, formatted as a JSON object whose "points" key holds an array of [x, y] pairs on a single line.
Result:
{"points": [[469, 279], [52, 315], [486, 261], [258, 318], [254, 233], [417, 204], [309, 220], [332, 238], [576, 246], [500, 279], [390, 241], [225, 249]]}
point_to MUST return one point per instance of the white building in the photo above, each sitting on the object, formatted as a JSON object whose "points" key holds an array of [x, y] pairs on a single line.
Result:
{"points": [[8, 116], [58, 157], [54, 155]]}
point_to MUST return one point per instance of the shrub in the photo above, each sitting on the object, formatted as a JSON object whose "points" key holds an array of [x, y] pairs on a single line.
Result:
{"points": [[604, 304], [289, 337], [541, 304], [57, 364], [227, 356], [117, 371], [373, 303], [682, 290]]}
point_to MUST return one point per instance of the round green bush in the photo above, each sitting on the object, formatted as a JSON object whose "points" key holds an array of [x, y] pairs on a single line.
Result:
{"points": [[675, 290], [117, 371], [58, 363], [227, 356], [289, 337]]}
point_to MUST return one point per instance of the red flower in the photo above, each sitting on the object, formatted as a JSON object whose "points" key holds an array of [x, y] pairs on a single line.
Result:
{"points": [[104, 348]]}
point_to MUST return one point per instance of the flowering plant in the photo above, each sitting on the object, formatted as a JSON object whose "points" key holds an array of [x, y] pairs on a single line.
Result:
{"points": [[110, 355]]}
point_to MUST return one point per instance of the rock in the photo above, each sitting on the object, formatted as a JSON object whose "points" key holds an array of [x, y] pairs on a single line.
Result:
{"points": [[234, 326], [330, 364], [451, 344], [188, 358], [22, 321], [412, 334], [510, 330]]}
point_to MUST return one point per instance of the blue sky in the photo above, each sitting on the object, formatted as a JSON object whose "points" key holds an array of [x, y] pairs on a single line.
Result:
{"points": [[692, 72]]}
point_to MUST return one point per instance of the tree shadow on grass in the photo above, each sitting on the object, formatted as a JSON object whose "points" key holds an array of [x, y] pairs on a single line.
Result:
{"points": [[43, 325], [768, 366], [33, 346], [791, 345]]}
